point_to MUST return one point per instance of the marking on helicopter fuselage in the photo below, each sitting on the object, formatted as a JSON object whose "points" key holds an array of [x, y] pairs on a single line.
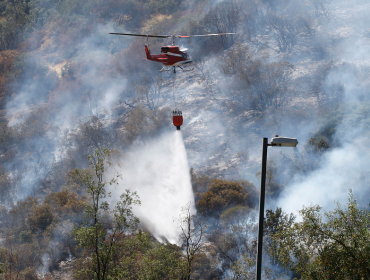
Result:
{"points": [[174, 54]]}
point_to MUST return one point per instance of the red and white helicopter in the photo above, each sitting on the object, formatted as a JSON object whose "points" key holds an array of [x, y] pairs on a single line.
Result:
{"points": [[171, 56]]}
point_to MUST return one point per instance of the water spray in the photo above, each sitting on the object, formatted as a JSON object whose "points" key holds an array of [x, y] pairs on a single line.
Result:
{"points": [[159, 172]]}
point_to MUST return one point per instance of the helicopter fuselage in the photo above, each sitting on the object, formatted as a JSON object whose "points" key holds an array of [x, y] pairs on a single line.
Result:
{"points": [[170, 56]]}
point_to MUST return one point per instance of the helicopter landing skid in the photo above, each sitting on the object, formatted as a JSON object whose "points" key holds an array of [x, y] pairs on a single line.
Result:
{"points": [[185, 69], [165, 69]]}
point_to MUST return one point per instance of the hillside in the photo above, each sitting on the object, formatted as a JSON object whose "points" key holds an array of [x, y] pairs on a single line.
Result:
{"points": [[69, 89]]}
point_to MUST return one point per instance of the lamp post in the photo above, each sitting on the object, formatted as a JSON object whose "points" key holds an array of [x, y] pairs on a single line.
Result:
{"points": [[280, 142]]}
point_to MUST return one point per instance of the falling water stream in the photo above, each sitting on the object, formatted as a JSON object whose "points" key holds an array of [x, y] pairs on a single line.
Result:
{"points": [[159, 172]]}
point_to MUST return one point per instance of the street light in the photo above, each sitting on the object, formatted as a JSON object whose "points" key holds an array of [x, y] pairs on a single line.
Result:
{"points": [[276, 142]]}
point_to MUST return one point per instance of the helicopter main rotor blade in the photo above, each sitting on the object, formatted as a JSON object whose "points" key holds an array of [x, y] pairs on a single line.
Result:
{"points": [[142, 35], [216, 34]]}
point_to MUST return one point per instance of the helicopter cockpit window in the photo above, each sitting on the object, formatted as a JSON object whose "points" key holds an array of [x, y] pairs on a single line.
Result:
{"points": [[164, 49], [185, 55]]}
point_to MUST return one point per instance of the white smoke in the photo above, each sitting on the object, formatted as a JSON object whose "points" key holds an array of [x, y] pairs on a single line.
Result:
{"points": [[344, 166], [340, 170], [159, 172], [44, 268]]}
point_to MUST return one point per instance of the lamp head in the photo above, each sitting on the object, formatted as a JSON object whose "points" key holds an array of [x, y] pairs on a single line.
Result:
{"points": [[283, 141]]}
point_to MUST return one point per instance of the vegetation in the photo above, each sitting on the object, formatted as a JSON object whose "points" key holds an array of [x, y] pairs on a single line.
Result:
{"points": [[191, 238], [220, 196], [331, 247], [98, 239], [68, 92]]}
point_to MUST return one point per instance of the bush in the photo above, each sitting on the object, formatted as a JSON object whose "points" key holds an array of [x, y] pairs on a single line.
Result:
{"points": [[66, 205], [200, 184], [40, 218], [220, 196]]}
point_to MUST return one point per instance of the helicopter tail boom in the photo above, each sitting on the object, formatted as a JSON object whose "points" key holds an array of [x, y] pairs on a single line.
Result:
{"points": [[147, 51]]}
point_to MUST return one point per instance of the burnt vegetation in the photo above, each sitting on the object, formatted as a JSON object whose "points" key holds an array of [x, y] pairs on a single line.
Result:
{"points": [[57, 67]]}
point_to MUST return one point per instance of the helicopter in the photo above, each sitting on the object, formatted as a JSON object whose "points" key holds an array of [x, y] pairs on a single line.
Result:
{"points": [[171, 55]]}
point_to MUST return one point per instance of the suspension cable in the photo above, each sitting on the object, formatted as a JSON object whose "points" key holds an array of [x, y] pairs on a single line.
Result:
{"points": [[173, 90]]}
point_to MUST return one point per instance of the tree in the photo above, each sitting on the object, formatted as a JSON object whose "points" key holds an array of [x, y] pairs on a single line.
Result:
{"points": [[285, 32], [321, 8], [225, 17], [91, 135], [99, 236], [12, 27], [192, 232], [142, 123], [74, 180], [272, 225], [337, 248], [200, 184], [5, 186], [256, 85], [233, 244], [148, 90], [162, 261], [220, 196], [41, 217], [16, 260], [244, 269], [21, 212], [142, 257], [271, 89], [328, 84], [66, 205], [288, 24], [238, 61], [317, 145], [273, 188]]}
